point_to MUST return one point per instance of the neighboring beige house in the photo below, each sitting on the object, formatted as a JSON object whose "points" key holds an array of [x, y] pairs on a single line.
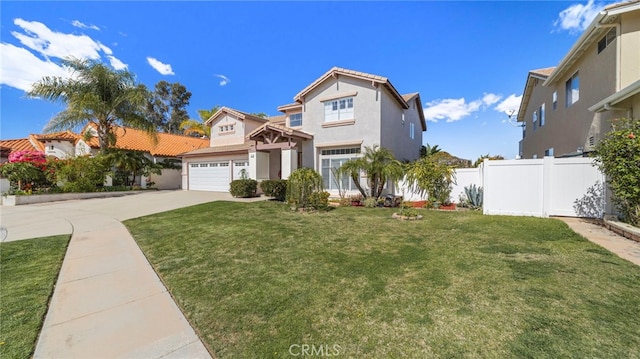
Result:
{"points": [[68, 144], [330, 121], [567, 109]]}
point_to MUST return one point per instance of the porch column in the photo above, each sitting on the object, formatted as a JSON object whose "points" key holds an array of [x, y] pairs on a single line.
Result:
{"points": [[253, 164], [289, 162]]}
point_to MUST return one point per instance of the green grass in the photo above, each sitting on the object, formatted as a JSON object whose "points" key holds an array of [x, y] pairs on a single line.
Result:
{"points": [[28, 270], [255, 278]]}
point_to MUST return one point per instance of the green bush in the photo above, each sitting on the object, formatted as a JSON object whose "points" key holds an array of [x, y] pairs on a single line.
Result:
{"points": [[370, 202], [319, 200], [618, 156], [301, 184], [243, 188], [275, 188], [81, 174]]}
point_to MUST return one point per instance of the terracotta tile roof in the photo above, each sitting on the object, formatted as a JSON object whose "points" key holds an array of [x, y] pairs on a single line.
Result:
{"points": [[60, 136], [337, 71], [167, 144], [543, 72], [18, 144], [219, 150]]}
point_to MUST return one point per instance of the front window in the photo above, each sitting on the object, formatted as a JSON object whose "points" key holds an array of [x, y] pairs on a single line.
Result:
{"points": [[295, 120], [338, 110], [329, 168], [226, 128], [573, 90]]}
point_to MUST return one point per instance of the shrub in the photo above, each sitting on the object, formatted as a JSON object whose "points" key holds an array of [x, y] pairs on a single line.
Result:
{"points": [[301, 184], [81, 174], [474, 196], [275, 188], [430, 177], [618, 156], [243, 188], [319, 200], [370, 202]]}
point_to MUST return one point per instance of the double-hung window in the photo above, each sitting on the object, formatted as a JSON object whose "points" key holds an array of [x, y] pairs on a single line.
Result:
{"points": [[572, 88], [338, 110]]}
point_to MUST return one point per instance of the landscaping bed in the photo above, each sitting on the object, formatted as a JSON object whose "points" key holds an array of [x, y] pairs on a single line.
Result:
{"points": [[256, 279]]}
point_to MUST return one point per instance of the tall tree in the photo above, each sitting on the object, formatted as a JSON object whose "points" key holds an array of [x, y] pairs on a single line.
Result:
{"points": [[193, 127], [487, 156], [378, 164], [428, 150], [167, 106], [95, 93]]}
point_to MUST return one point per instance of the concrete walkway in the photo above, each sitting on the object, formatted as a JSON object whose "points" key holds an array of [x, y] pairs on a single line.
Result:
{"points": [[623, 247], [108, 301]]}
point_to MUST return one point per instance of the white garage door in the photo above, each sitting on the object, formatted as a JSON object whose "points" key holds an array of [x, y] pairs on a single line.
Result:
{"points": [[238, 167], [209, 176]]}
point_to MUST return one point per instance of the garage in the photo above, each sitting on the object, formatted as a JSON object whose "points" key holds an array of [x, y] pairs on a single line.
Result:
{"points": [[209, 176]]}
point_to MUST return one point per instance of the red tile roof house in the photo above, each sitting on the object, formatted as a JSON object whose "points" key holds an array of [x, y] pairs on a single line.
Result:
{"points": [[68, 144], [330, 121]]}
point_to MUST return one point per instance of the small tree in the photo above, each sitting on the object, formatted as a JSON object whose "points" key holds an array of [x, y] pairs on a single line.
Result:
{"points": [[301, 184], [431, 177], [82, 174], [618, 156], [378, 164]]}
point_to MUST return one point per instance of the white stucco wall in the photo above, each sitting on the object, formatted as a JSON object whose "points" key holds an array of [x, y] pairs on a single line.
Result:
{"points": [[59, 149]]}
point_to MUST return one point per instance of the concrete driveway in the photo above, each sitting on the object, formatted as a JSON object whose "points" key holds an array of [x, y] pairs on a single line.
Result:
{"points": [[47, 219], [108, 301]]}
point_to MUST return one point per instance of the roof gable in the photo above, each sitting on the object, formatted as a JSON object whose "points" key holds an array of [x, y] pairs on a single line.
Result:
{"points": [[336, 72], [235, 113], [534, 77]]}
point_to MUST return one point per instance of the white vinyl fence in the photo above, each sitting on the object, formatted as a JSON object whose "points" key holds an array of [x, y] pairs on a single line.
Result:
{"points": [[538, 187]]}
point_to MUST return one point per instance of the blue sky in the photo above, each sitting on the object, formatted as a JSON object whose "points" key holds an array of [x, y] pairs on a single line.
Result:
{"points": [[469, 60]]}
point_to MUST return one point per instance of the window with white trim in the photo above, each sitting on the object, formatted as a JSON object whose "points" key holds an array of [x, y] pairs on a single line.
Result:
{"points": [[412, 130], [295, 119], [226, 128], [541, 115], [572, 88], [534, 119], [338, 110], [554, 98], [328, 175]]}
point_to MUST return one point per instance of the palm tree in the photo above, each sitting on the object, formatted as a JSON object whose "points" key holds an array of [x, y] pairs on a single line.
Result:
{"points": [[378, 164], [95, 93], [198, 127], [428, 151]]}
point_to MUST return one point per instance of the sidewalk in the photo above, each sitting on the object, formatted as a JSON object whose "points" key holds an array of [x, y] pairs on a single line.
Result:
{"points": [[108, 301], [623, 247]]}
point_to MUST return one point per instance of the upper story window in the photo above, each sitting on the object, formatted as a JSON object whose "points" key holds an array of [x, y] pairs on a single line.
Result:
{"points": [[534, 119], [412, 130], [572, 88], [338, 110], [524, 129], [606, 40], [541, 115], [554, 97], [226, 128], [295, 120]]}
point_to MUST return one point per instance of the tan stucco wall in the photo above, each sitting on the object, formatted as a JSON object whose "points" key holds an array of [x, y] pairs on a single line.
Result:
{"points": [[630, 48], [236, 137], [567, 129], [394, 134]]}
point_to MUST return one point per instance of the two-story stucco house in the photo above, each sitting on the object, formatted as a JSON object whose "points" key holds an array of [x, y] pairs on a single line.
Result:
{"points": [[566, 110], [330, 121]]}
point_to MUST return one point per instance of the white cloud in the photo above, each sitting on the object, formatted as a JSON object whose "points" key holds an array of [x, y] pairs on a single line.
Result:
{"points": [[223, 79], [164, 69], [577, 17], [490, 98], [21, 68], [38, 37], [116, 63], [509, 105], [450, 109], [81, 25]]}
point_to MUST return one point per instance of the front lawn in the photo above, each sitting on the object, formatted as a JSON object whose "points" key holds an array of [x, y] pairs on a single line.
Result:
{"points": [[28, 270], [259, 281]]}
